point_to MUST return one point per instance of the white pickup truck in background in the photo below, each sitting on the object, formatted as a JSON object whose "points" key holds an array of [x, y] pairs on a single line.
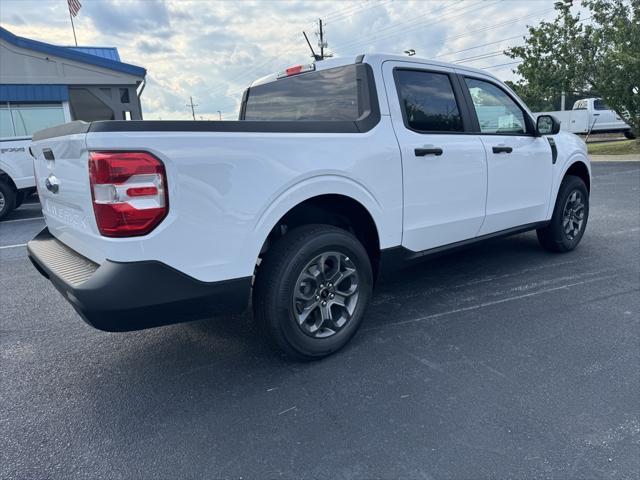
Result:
{"points": [[17, 124], [590, 115], [335, 171]]}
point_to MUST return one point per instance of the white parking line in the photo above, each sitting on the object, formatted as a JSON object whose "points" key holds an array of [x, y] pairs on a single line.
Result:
{"points": [[22, 220], [489, 304], [14, 246]]}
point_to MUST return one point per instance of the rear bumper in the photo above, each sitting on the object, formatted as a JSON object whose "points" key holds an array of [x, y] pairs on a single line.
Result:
{"points": [[118, 297]]}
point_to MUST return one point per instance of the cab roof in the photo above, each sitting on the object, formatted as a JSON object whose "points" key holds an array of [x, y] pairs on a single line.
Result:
{"points": [[375, 59]]}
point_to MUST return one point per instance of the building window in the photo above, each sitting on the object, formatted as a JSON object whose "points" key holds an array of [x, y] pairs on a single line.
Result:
{"points": [[87, 107], [24, 119], [6, 125], [124, 95]]}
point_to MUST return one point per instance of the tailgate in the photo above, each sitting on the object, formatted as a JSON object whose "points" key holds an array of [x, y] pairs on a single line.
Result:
{"points": [[62, 178]]}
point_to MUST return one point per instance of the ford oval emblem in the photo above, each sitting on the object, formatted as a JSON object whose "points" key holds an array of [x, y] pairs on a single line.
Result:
{"points": [[52, 183]]}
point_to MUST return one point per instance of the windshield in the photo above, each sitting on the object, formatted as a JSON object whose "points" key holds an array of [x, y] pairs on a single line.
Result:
{"points": [[335, 94]]}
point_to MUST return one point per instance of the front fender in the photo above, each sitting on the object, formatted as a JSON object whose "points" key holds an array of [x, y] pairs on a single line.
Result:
{"points": [[571, 149]]}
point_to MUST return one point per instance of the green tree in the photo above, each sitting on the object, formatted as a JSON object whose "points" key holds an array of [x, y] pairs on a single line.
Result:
{"points": [[602, 58]]}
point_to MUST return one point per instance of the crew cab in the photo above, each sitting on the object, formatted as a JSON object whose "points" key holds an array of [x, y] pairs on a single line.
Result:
{"points": [[335, 171]]}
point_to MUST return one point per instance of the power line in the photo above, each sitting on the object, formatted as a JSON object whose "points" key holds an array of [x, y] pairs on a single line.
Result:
{"points": [[400, 27], [501, 65], [484, 29], [477, 46]]}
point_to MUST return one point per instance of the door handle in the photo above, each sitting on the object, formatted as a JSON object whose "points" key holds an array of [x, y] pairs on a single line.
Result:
{"points": [[421, 152], [502, 149]]}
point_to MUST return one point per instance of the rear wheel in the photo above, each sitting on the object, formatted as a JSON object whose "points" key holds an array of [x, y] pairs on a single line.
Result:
{"points": [[629, 134], [569, 219], [7, 199], [312, 290]]}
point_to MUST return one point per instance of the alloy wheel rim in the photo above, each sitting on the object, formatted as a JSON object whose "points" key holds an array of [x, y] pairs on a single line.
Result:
{"points": [[326, 295], [3, 202], [573, 216]]}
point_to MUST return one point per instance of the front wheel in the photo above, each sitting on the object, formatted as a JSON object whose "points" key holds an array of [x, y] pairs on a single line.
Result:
{"points": [[570, 215], [629, 134], [312, 290]]}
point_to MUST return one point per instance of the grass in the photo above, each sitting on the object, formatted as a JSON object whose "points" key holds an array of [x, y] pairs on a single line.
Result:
{"points": [[624, 147]]}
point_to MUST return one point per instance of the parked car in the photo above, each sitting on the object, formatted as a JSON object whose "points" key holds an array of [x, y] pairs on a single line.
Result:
{"points": [[591, 115], [17, 124], [335, 171], [16, 174]]}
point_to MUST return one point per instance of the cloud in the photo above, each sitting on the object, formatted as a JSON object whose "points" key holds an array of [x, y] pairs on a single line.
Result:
{"points": [[123, 18], [212, 50]]}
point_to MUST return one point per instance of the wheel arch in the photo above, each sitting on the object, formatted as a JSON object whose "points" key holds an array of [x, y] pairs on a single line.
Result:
{"points": [[5, 177], [350, 207], [578, 168]]}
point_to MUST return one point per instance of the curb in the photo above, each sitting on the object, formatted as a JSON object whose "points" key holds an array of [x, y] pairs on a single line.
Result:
{"points": [[615, 158]]}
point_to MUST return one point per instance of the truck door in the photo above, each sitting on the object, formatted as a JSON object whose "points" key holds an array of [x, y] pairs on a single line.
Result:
{"points": [[444, 167], [519, 162], [603, 117]]}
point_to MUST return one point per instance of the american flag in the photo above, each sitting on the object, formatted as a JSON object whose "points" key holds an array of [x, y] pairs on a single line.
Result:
{"points": [[74, 7]]}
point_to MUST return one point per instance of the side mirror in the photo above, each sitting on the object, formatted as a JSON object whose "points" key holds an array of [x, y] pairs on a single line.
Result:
{"points": [[547, 125]]}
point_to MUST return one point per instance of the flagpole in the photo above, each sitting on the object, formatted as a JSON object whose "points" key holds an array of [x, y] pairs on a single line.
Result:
{"points": [[73, 26]]}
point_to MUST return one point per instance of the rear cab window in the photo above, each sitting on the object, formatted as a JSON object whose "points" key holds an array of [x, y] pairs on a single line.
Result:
{"points": [[336, 94], [428, 101]]}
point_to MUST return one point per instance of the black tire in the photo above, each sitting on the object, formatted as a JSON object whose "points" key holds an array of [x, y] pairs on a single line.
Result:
{"points": [[629, 134], [7, 199], [569, 221], [278, 280], [20, 197]]}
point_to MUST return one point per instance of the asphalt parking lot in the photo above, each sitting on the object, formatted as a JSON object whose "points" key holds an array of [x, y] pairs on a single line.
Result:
{"points": [[498, 361]]}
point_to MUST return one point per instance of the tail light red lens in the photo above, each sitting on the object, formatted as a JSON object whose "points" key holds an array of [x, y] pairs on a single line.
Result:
{"points": [[129, 192]]}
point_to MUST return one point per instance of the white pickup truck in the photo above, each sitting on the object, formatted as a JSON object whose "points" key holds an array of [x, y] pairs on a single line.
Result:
{"points": [[335, 171], [590, 115], [16, 174]]}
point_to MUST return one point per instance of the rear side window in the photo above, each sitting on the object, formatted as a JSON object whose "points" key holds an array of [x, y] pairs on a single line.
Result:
{"points": [[497, 112], [335, 94], [428, 102]]}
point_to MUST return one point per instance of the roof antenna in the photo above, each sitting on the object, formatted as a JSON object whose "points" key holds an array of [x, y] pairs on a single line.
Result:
{"points": [[315, 57]]}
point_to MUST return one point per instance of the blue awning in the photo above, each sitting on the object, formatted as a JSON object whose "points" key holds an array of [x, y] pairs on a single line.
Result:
{"points": [[34, 93]]}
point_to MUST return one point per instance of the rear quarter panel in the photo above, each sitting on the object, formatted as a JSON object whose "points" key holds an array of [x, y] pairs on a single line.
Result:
{"points": [[228, 190]]}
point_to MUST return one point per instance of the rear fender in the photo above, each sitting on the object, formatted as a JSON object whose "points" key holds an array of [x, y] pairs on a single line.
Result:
{"points": [[313, 187]]}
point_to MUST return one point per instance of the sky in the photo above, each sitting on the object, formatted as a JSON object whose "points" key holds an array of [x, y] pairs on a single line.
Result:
{"points": [[212, 50]]}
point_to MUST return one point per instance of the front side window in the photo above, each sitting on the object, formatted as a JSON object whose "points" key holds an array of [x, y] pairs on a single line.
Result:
{"points": [[496, 111], [428, 101], [600, 105]]}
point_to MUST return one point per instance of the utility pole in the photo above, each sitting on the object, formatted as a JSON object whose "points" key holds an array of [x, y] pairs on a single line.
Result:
{"points": [[219, 115], [192, 105], [322, 43]]}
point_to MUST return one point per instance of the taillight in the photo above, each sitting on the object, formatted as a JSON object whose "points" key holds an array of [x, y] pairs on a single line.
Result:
{"points": [[129, 192]]}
